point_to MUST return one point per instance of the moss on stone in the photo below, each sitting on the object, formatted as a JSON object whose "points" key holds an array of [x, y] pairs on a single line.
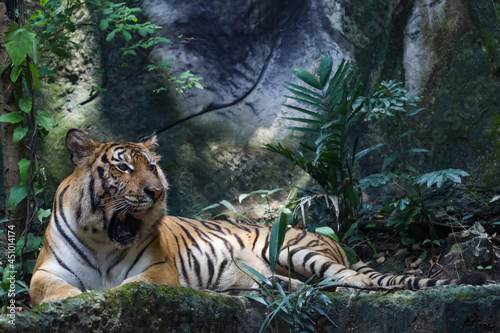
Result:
{"points": [[141, 307]]}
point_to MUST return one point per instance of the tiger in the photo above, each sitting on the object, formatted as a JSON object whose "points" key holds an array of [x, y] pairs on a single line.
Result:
{"points": [[109, 227]]}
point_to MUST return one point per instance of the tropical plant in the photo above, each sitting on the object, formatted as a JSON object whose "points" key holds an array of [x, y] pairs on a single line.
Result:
{"points": [[296, 308], [329, 106], [413, 213]]}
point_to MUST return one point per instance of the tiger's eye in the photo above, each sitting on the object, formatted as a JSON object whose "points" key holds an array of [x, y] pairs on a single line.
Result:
{"points": [[152, 167], [123, 167]]}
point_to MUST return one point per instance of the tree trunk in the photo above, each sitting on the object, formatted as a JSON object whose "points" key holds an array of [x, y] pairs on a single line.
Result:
{"points": [[11, 153]]}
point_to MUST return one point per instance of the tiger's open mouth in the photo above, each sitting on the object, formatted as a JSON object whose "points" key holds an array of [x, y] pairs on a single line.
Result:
{"points": [[124, 225]]}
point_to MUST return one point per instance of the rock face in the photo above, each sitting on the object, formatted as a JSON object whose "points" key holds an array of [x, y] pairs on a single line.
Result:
{"points": [[211, 140], [151, 308], [469, 248]]}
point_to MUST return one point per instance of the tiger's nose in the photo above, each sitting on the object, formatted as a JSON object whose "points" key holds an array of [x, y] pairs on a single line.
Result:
{"points": [[153, 193]]}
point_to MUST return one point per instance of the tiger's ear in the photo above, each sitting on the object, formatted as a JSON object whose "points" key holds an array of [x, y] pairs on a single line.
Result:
{"points": [[149, 141], [79, 145]]}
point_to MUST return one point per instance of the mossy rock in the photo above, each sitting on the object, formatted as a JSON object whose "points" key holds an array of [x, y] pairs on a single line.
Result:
{"points": [[148, 308]]}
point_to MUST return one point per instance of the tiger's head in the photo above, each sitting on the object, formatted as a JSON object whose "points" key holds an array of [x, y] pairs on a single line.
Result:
{"points": [[122, 191]]}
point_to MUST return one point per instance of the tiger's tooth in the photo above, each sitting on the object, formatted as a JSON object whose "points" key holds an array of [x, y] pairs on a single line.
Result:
{"points": [[122, 216]]}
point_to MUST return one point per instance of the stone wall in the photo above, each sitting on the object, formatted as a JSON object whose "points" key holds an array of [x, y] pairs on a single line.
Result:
{"points": [[150, 308]]}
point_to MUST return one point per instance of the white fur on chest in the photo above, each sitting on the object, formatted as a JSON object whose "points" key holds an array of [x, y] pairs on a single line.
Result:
{"points": [[89, 260]]}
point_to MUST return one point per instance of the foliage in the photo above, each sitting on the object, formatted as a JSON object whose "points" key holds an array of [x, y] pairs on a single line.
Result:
{"points": [[10, 279], [230, 209], [276, 240], [329, 107], [11, 283], [411, 213], [296, 308], [389, 99], [116, 20]]}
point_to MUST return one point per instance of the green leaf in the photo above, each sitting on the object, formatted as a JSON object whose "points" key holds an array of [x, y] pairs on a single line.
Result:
{"points": [[4, 67], [32, 244], [403, 218], [111, 35], [367, 150], [165, 40], [307, 96], [351, 255], [466, 217], [374, 180], [25, 104], [126, 35], [304, 90], [328, 232], [18, 42], [16, 71], [307, 77], [388, 161], [36, 76], [414, 112], [45, 120], [17, 193], [257, 299], [440, 177], [34, 51], [417, 150], [311, 113], [19, 134], [12, 117], [228, 205], [276, 240], [325, 69], [350, 230], [43, 213], [243, 196], [212, 206], [400, 204], [254, 272], [424, 254], [104, 24], [24, 170]]}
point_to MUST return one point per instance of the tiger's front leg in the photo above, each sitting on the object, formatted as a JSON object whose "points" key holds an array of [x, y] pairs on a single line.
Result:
{"points": [[48, 287], [161, 273]]}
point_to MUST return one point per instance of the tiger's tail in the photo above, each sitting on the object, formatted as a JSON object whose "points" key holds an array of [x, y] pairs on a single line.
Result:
{"points": [[416, 283]]}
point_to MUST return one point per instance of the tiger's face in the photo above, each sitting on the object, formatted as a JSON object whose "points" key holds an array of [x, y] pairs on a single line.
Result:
{"points": [[126, 188]]}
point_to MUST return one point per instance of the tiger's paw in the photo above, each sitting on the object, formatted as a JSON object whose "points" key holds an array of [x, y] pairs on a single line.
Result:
{"points": [[358, 281], [61, 296]]}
